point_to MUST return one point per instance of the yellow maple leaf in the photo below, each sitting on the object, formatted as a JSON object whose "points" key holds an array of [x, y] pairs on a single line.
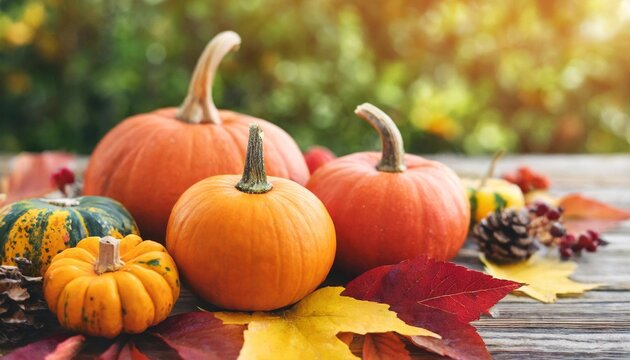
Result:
{"points": [[308, 330], [545, 278]]}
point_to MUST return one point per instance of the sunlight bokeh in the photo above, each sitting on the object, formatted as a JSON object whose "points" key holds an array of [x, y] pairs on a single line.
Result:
{"points": [[471, 77]]}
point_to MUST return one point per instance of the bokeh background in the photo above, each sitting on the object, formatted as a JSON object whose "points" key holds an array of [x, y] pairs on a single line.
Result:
{"points": [[457, 76]]}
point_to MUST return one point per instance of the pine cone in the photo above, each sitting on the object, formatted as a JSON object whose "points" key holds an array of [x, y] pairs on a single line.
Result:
{"points": [[23, 310], [504, 236]]}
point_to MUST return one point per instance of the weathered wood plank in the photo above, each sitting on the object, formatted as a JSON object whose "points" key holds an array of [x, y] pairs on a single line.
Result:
{"points": [[595, 325]]}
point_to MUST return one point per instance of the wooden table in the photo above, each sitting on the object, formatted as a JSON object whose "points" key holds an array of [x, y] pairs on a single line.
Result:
{"points": [[594, 325]]}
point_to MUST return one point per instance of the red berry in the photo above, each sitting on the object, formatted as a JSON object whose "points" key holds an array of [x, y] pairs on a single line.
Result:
{"points": [[540, 182], [541, 209], [567, 241], [527, 179], [553, 215], [593, 234], [591, 247], [584, 240], [557, 230], [566, 253]]}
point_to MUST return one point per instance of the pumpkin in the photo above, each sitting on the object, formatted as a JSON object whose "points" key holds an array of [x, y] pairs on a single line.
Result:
{"points": [[490, 194], [148, 160], [392, 206], [38, 229], [105, 286], [256, 243]]}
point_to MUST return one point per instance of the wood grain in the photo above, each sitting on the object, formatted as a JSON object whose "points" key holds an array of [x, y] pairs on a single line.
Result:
{"points": [[595, 325]]}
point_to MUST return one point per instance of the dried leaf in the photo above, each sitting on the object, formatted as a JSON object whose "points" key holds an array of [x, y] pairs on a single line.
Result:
{"points": [[438, 296], [58, 347], [461, 341], [577, 206], [346, 337], [30, 174], [545, 277], [308, 330], [200, 335], [580, 226], [582, 213], [384, 346]]}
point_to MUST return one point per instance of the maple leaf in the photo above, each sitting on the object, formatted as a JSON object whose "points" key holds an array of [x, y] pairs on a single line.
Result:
{"points": [[439, 296], [580, 206], [30, 174], [582, 213], [384, 346], [55, 347], [200, 335], [308, 330], [545, 277]]}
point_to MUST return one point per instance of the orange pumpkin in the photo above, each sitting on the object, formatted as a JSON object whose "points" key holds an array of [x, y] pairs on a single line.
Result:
{"points": [[147, 161], [105, 286], [255, 244], [391, 207]]}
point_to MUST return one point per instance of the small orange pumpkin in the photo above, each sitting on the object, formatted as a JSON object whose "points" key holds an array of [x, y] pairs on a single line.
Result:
{"points": [[147, 161], [391, 207], [255, 244], [105, 286]]}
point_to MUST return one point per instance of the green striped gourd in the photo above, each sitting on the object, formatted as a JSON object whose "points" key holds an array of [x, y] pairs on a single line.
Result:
{"points": [[38, 229]]}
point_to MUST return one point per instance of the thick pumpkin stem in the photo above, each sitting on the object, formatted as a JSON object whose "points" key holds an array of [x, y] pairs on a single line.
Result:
{"points": [[198, 107], [493, 164], [108, 255], [393, 158], [254, 180]]}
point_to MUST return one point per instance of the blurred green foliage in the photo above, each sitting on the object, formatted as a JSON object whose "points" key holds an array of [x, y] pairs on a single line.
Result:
{"points": [[473, 76]]}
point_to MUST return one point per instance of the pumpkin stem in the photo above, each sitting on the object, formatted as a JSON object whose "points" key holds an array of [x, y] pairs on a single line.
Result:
{"points": [[62, 202], [393, 158], [108, 255], [198, 107], [493, 164], [254, 180]]}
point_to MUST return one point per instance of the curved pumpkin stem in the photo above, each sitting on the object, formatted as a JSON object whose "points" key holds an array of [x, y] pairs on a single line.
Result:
{"points": [[254, 180], [493, 164], [108, 255], [393, 159], [198, 107]]}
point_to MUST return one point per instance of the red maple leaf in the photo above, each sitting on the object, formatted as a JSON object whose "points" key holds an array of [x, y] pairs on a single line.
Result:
{"points": [[55, 347], [200, 335], [438, 296], [384, 346]]}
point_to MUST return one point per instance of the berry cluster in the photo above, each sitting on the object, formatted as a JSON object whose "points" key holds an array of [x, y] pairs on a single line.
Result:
{"points": [[527, 179], [62, 177], [66, 182], [589, 241], [546, 224]]}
